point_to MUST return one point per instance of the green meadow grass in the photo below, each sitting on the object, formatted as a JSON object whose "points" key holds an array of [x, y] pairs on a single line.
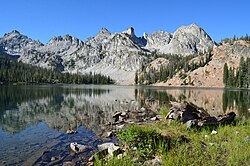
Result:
{"points": [[177, 145]]}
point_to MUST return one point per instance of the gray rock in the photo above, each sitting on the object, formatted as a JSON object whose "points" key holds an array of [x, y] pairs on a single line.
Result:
{"points": [[111, 147], [142, 110], [157, 40], [189, 40], [104, 146], [68, 163], [120, 127], [156, 161], [53, 159], [192, 116], [247, 139], [159, 117], [191, 123], [108, 134], [154, 118], [77, 147]]}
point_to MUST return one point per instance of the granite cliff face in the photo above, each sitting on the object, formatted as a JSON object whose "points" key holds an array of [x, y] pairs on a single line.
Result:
{"points": [[189, 40], [157, 41], [118, 55]]}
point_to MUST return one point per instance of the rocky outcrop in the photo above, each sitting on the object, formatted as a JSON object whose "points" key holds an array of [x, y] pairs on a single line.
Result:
{"points": [[211, 75], [157, 64], [157, 41], [193, 117]]}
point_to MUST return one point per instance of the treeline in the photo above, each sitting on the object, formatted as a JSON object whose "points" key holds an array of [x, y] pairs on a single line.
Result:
{"points": [[238, 78], [235, 38], [18, 72], [176, 63]]}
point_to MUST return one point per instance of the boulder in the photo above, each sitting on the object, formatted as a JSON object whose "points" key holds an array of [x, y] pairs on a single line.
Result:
{"points": [[108, 134], [185, 112], [193, 117], [77, 147], [226, 119], [116, 116], [111, 148]]}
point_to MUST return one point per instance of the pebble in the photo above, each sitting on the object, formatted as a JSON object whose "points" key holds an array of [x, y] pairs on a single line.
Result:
{"points": [[68, 163], [214, 132], [134, 148], [247, 139], [158, 116], [120, 127], [142, 110], [119, 156], [154, 118]]}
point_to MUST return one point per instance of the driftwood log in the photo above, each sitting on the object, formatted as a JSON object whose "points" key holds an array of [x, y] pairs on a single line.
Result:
{"points": [[194, 117]]}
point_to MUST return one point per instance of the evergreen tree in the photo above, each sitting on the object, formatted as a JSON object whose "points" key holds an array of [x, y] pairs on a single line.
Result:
{"points": [[136, 77], [14, 72], [225, 75], [248, 73]]}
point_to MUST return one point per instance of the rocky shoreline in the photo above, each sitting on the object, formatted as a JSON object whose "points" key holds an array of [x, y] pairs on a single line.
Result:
{"points": [[186, 113]]}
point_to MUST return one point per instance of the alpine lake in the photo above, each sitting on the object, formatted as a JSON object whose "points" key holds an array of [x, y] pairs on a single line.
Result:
{"points": [[34, 118]]}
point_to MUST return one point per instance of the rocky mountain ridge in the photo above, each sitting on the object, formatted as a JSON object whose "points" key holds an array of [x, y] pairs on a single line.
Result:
{"points": [[211, 75], [118, 55]]}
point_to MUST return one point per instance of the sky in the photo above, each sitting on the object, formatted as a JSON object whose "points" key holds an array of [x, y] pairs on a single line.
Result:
{"points": [[44, 19]]}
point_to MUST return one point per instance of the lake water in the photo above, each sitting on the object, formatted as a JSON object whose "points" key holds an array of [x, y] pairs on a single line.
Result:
{"points": [[33, 119]]}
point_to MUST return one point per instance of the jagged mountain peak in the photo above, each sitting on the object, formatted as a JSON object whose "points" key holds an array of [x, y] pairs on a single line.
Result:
{"points": [[104, 31], [192, 29], [14, 43], [130, 31], [14, 35], [64, 39], [102, 35], [14, 32], [187, 40], [194, 25]]}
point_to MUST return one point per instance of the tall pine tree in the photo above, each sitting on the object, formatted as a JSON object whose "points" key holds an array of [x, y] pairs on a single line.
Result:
{"points": [[225, 75]]}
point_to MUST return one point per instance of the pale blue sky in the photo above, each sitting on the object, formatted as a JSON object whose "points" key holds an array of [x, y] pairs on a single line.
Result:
{"points": [[43, 19]]}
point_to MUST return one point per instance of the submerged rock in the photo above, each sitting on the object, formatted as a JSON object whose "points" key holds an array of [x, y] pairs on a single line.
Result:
{"points": [[70, 131]]}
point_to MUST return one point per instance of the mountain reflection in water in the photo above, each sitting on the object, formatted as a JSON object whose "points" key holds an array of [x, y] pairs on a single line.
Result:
{"points": [[52, 109]]}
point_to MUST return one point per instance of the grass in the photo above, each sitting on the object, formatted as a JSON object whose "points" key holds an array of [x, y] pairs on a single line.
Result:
{"points": [[164, 111], [230, 146]]}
